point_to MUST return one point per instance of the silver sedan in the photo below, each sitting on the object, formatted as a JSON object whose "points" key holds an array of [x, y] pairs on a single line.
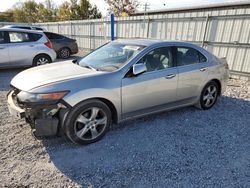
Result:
{"points": [[121, 80]]}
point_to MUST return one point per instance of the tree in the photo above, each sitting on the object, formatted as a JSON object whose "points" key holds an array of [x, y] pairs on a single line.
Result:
{"points": [[32, 12], [119, 7], [45, 15], [78, 11], [94, 13], [63, 12], [83, 9], [48, 11], [26, 12], [74, 10], [6, 16], [86, 10]]}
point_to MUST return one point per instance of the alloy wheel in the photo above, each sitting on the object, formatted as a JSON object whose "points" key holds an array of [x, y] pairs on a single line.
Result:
{"points": [[64, 53], [90, 123], [210, 95], [42, 61]]}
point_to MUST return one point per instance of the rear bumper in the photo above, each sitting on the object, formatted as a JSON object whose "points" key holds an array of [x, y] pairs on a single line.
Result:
{"points": [[74, 48], [224, 81]]}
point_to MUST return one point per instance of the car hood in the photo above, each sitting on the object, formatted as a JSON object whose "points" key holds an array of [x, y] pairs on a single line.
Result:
{"points": [[47, 74]]}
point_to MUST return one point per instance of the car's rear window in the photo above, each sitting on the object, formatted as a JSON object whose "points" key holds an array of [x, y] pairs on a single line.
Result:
{"points": [[53, 36]]}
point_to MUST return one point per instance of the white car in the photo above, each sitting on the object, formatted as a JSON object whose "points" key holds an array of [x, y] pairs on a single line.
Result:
{"points": [[19, 48]]}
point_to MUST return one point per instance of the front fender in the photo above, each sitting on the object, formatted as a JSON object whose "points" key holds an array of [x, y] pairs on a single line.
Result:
{"points": [[113, 95]]}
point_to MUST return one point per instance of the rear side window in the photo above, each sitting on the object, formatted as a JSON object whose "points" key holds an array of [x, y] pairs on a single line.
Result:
{"points": [[54, 36], [203, 59], [34, 37], [16, 37], [188, 56], [2, 38]]}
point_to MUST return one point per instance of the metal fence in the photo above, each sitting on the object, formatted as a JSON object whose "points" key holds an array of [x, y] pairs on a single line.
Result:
{"points": [[224, 32]]}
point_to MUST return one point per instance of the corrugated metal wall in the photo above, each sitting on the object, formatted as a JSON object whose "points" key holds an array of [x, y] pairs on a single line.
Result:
{"points": [[224, 31]]}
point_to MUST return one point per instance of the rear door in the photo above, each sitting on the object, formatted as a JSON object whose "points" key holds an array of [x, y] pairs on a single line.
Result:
{"points": [[22, 47], [4, 51], [192, 68]]}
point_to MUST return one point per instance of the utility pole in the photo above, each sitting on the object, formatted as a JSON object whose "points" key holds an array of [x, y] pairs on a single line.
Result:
{"points": [[146, 7]]}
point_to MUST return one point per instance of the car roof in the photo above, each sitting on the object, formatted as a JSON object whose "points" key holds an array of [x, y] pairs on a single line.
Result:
{"points": [[20, 25], [142, 42], [20, 30], [149, 42]]}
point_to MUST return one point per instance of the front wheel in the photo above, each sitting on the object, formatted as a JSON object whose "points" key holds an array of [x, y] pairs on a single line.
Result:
{"points": [[88, 122], [209, 95]]}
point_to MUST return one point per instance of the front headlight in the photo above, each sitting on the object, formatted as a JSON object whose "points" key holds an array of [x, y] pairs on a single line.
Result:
{"points": [[41, 97]]}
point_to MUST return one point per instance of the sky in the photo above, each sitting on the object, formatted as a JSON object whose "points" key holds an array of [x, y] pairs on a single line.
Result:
{"points": [[153, 4]]}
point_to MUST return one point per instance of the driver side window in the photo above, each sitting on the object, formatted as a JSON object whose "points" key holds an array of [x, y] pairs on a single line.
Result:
{"points": [[158, 59]]}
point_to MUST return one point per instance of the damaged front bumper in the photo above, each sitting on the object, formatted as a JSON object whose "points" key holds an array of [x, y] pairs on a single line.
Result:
{"points": [[45, 119], [13, 108]]}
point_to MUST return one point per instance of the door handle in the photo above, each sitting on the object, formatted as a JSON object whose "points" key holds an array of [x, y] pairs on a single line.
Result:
{"points": [[203, 69], [32, 45], [170, 76], [1, 47]]}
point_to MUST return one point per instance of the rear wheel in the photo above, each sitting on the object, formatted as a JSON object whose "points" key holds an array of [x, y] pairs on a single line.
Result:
{"points": [[64, 53], [41, 60], [88, 122], [209, 95]]}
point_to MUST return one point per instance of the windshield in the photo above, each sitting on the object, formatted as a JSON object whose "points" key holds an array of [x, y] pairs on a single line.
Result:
{"points": [[110, 57]]}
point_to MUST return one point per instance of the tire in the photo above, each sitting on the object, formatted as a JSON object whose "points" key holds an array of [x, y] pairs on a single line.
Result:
{"points": [[209, 95], [64, 53], [41, 60], [88, 122]]}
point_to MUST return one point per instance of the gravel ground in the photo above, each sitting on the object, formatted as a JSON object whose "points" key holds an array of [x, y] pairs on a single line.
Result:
{"points": [[181, 148]]}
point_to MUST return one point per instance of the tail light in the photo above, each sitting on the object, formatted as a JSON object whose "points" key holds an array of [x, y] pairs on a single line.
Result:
{"points": [[48, 44], [223, 60]]}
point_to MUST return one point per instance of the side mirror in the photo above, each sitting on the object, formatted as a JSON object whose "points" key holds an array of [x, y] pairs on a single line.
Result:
{"points": [[139, 69]]}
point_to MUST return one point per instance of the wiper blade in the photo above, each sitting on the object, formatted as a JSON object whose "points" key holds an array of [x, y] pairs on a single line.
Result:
{"points": [[89, 67], [85, 66]]}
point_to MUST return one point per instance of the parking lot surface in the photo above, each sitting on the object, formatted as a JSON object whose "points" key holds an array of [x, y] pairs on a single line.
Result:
{"points": [[181, 148]]}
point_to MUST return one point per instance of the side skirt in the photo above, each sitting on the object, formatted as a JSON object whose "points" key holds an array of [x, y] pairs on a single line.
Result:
{"points": [[159, 108]]}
